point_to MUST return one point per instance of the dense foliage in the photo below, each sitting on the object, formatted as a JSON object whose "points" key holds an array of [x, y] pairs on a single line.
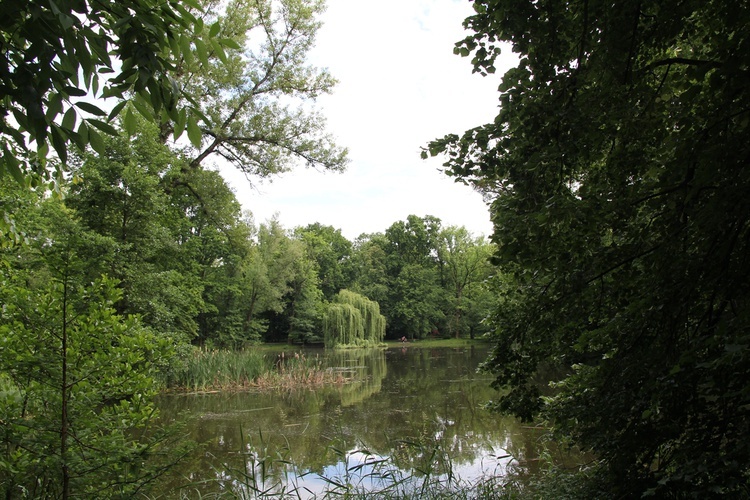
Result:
{"points": [[353, 320], [57, 57], [618, 169], [76, 378]]}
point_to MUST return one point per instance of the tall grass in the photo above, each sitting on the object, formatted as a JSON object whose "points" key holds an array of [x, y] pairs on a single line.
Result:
{"points": [[212, 370], [296, 371], [203, 370]]}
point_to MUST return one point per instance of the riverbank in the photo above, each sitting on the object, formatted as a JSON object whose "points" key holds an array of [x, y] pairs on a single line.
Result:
{"points": [[452, 342]]}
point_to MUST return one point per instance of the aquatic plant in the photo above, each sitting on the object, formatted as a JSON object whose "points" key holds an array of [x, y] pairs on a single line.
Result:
{"points": [[213, 370], [218, 369]]}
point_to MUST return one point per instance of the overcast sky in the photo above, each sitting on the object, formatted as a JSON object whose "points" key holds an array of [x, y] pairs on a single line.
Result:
{"points": [[400, 86]]}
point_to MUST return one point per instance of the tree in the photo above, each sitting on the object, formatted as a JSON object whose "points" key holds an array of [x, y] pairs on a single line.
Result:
{"points": [[353, 320], [464, 261], [266, 276], [369, 268], [618, 168], [418, 302], [304, 304], [413, 241], [122, 195], [77, 379], [331, 251], [416, 298], [255, 96]]}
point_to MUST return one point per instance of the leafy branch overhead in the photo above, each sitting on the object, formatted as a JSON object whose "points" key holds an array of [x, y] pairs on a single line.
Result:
{"points": [[58, 58]]}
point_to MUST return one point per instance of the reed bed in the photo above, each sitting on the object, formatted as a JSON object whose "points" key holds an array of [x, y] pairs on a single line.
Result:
{"points": [[299, 371], [215, 370], [207, 370]]}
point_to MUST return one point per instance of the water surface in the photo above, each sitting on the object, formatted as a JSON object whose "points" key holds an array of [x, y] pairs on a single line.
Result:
{"points": [[407, 408]]}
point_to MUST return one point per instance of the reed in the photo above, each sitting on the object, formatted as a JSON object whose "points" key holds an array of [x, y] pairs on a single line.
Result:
{"points": [[297, 371], [362, 475], [204, 370], [213, 370]]}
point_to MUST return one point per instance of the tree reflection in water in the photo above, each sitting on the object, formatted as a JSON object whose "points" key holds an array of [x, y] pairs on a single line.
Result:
{"points": [[407, 412]]}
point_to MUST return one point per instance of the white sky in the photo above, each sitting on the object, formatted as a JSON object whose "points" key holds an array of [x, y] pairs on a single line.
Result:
{"points": [[400, 86]]}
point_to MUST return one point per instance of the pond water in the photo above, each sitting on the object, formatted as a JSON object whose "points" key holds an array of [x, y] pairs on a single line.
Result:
{"points": [[406, 411]]}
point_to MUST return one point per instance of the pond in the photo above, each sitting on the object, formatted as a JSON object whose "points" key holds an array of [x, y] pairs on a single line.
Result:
{"points": [[409, 413]]}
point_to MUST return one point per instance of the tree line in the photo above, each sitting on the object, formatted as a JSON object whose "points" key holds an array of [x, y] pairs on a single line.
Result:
{"points": [[195, 268]]}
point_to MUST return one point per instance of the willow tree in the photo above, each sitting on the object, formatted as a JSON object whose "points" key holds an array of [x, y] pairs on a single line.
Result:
{"points": [[353, 320]]}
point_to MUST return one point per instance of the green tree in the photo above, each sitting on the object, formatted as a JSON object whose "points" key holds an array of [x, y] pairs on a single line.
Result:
{"points": [[266, 276], [353, 320], [208, 244], [77, 379], [255, 96], [417, 303], [332, 252], [464, 263], [121, 195], [369, 268], [416, 300], [304, 304], [413, 241], [618, 166]]}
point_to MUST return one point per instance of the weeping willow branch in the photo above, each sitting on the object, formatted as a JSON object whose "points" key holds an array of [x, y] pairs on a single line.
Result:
{"points": [[353, 320]]}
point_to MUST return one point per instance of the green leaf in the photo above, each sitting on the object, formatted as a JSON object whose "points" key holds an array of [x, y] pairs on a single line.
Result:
{"points": [[96, 142], [179, 124], [143, 109], [116, 110], [54, 106], [194, 132], [59, 143], [69, 120], [103, 126], [90, 108], [231, 43], [21, 119], [219, 50], [214, 30], [42, 150], [76, 138], [83, 132], [186, 15], [94, 84], [130, 122], [187, 51], [200, 48], [194, 4], [74, 91], [12, 165]]}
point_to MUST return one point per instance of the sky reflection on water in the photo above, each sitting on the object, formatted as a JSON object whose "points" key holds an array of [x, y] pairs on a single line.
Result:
{"points": [[409, 411]]}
